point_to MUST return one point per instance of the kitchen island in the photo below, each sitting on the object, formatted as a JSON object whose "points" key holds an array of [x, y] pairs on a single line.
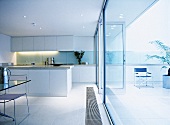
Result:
{"points": [[46, 80]]}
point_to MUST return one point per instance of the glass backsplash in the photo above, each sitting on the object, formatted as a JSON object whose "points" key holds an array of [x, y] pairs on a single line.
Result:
{"points": [[67, 57], [64, 57]]}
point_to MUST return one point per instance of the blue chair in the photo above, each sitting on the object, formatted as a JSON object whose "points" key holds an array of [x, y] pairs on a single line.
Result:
{"points": [[142, 78]]}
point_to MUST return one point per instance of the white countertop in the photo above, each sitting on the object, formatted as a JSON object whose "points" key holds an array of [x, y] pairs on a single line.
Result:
{"points": [[40, 67]]}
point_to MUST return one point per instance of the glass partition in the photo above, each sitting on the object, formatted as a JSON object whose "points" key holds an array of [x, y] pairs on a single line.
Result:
{"points": [[114, 65]]}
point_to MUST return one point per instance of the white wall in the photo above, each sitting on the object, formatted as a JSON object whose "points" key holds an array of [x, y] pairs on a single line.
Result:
{"points": [[152, 25], [6, 56]]}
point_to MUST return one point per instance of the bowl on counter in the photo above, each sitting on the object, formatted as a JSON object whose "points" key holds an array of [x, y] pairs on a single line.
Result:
{"points": [[56, 64]]}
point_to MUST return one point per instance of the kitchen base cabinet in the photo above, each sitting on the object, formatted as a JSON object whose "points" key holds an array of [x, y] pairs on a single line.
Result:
{"points": [[45, 81], [76, 74], [39, 84], [60, 82], [84, 74]]}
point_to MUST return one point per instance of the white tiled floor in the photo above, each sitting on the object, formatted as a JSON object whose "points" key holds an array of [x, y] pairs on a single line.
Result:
{"points": [[145, 106], [54, 110]]}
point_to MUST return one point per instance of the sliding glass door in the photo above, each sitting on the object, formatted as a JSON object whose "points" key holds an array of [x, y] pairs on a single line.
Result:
{"points": [[114, 64], [114, 61]]}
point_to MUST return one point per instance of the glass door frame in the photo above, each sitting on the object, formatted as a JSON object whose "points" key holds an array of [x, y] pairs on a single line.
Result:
{"points": [[104, 52], [123, 47]]}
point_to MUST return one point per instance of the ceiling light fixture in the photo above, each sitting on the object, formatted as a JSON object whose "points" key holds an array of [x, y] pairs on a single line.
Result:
{"points": [[24, 16], [83, 27], [81, 15], [40, 28], [34, 24]]}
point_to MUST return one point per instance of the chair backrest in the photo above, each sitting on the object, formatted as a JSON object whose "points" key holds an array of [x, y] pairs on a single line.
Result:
{"points": [[140, 69], [18, 77]]}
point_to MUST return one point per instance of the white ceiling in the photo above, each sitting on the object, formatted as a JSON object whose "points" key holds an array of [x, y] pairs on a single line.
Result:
{"points": [[55, 17], [124, 11], [62, 17]]}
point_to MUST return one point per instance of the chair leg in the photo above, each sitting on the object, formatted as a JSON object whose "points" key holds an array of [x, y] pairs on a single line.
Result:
{"points": [[4, 106], [27, 102], [14, 113]]}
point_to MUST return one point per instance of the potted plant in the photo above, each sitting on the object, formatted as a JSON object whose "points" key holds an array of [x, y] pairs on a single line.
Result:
{"points": [[165, 59], [163, 49], [79, 55]]}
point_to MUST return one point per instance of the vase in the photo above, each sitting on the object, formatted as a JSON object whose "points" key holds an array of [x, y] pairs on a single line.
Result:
{"points": [[169, 72]]}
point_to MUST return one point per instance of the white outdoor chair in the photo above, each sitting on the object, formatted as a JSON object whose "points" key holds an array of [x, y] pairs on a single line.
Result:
{"points": [[142, 78]]}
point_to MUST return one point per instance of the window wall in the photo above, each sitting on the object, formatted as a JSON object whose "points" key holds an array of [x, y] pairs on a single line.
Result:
{"points": [[112, 57]]}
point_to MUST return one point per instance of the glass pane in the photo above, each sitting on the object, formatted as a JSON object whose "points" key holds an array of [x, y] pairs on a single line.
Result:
{"points": [[114, 56], [114, 62]]}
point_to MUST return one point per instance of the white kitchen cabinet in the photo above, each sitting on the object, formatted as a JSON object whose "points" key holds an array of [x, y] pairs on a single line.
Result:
{"points": [[16, 44], [65, 43], [50, 43], [87, 74], [39, 84], [44, 81], [60, 82], [39, 43], [84, 43], [76, 74], [28, 43], [84, 73]]}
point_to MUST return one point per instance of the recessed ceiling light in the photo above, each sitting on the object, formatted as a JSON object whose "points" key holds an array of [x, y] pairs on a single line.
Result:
{"points": [[40, 28], [121, 16], [81, 15], [83, 27], [24, 16], [112, 26]]}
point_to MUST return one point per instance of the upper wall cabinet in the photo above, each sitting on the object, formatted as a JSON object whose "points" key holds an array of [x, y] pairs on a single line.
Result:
{"points": [[27, 44], [21, 44], [84, 43], [50, 43], [16, 44], [65, 43], [39, 44]]}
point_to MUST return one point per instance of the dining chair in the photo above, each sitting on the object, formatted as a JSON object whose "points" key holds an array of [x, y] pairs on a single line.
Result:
{"points": [[7, 97], [4, 98]]}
